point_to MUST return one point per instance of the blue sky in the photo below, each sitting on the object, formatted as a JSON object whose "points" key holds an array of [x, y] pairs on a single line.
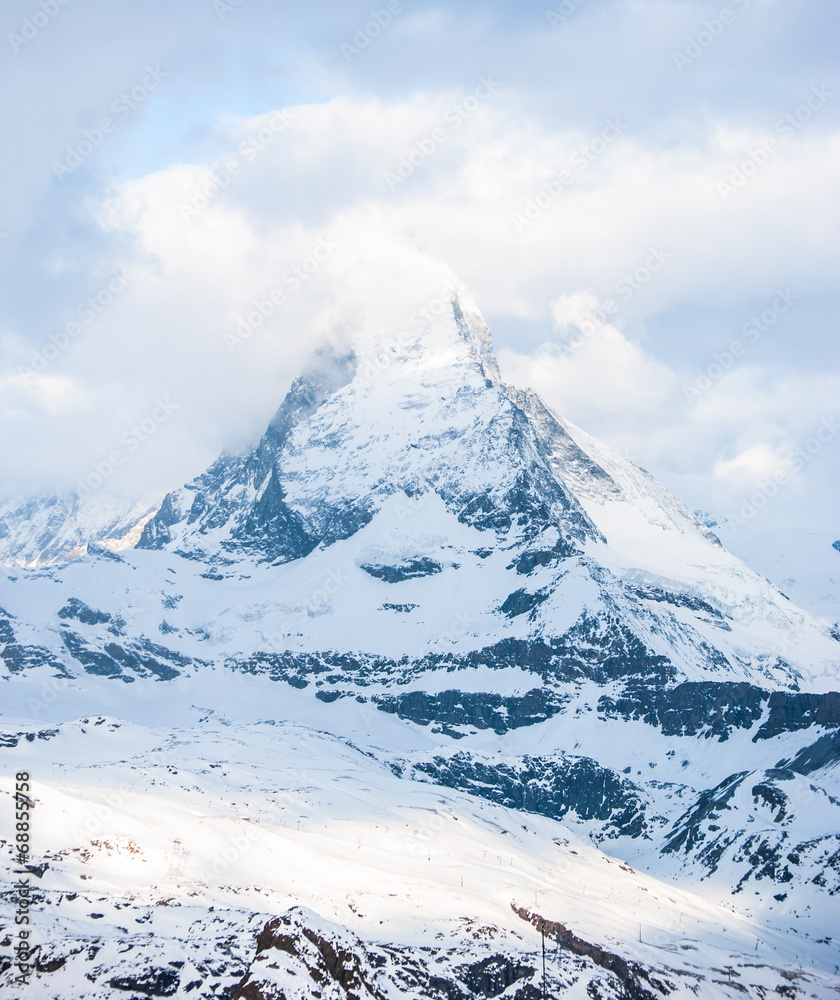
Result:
{"points": [[660, 126]]}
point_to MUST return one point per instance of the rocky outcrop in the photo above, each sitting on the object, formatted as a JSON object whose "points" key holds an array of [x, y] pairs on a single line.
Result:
{"points": [[300, 955], [335, 965], [630, 975], [550, 786], [791, 711], [710, 708], [481, 710]]}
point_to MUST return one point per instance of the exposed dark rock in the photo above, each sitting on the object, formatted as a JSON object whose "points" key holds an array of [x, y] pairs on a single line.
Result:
{"points": [[299, 669], [267, 527], [598, 649], [484, 710], [550, 786], [93, 660], [650, 593], [531, 558], [691, 830], [812, 758], [53, 964], [7, 633], [335, 962], [156, 533], [12, 739], [714, 708], [103, 552], [766, 857], [142, 657], [772, 796], [18, 658], [140, 661], [603, 649], [154, 983], [325, 960], [791, 711], [520, 602], [492, 976], [408, 570], [272, 525], [629, 974]]}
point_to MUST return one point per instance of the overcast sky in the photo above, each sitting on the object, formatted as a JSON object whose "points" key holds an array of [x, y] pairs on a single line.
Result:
{"points": [[641, 196]]}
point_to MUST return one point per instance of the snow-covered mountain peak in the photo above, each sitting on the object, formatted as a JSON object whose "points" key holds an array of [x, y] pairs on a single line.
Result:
{"points": [[566, 536], [416, 660], [441, 337]]}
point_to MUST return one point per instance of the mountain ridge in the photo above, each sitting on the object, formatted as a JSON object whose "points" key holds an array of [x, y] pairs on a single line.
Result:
{"points": [[429, 592]]}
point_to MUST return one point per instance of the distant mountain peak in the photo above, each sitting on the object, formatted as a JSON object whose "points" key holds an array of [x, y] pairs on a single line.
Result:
{"points": [[50, 528]]}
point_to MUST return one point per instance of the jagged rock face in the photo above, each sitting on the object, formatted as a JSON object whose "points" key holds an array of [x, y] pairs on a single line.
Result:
{"points": [[412, 468], [403, 448], [333, 965], [300, 955], [551, 786], [520, 618], [436, 417], [634, 979]]}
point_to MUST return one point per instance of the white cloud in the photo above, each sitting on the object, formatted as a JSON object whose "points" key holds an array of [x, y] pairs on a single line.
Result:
{"points": [[323, 178], [758, 462]]}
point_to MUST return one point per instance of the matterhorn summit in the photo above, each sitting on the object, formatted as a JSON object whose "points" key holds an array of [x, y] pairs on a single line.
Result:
{"points": [[426, 679], [411, 459]]}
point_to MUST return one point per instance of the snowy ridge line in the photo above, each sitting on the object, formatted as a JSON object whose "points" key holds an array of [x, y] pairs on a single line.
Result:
{"points": [[426, 648]]}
